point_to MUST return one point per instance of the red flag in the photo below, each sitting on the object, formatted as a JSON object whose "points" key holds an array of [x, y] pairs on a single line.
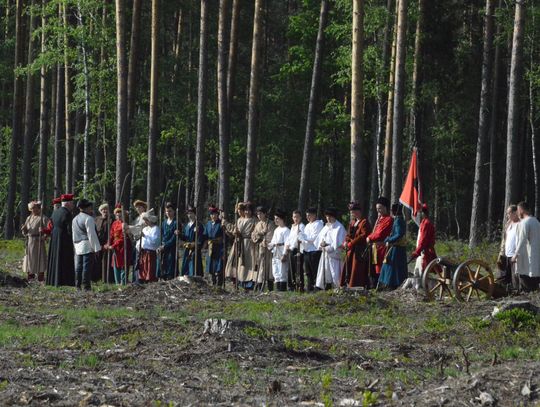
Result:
{"points": [[411, 197]]}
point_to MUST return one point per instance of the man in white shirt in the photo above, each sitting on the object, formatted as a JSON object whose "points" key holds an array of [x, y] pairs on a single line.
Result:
{"points": [[86, 243], [330, 241], [527, 257], [508, 248], [312, 254], [295, 249]]}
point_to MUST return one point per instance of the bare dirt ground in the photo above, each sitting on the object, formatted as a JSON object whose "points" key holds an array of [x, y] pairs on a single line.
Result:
{"points": [[148, 346]]}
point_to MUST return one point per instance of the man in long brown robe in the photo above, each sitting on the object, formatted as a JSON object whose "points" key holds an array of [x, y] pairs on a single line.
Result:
{"points": [[261, 237], [102, 268], [356, 269], [35, 259], [240, 260]]}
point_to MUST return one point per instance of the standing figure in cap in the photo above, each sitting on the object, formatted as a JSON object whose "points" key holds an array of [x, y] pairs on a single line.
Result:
{"points": [[35, 259], [56, 203], [394, 269], [103, 226], [356, 269], [381, 230], [295, 250], [330, 242], [193, 242], [166, 267], [135, 232], [86, 243], [425, 247], [147, 247], [213, 235], [240, 261], [119, 245], [312, 253], [280, 257], [61, 267], [261, 238]]}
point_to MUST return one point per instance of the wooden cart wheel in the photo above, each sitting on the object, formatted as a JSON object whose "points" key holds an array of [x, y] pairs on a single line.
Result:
{"points": [[436, 280], [471, 279]]}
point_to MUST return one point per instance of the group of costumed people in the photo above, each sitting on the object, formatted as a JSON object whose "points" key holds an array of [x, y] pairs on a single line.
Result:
{"points": [[255, 251]]}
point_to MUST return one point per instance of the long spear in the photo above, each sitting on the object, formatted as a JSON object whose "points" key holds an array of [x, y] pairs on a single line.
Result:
{"points": [[177, 229], [124, 225], [39, 236], [161, 225]]}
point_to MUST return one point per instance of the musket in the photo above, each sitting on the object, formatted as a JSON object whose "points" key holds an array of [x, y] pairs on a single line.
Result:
{"points": [[177, 229], [161, 225], [124, 234]]}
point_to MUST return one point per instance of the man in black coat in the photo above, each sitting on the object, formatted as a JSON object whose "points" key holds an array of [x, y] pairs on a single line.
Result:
{"points": [[61, 265]]}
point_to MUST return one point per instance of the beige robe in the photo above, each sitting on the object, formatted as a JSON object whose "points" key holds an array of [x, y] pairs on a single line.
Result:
{"points": [[261, 237], [240, 265], [35, 259]]}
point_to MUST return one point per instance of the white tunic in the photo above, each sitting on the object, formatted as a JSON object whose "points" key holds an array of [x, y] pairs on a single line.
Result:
{"points": [[150, 238], [528, 247], [310, 234], [280, 268], [329, 271], [511, 239], [292, 241]]}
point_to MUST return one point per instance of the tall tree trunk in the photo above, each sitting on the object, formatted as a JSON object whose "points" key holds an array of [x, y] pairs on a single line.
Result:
{"points": [[417, 74], [399, 99], [493, 130], [77, 159], [358, 190], [512, 136], [43, 110], [201, 108], [532, 119], [9, 226], [153, 119], [28, 138], [253, 110], [223, 108], [387, 160], [121, 110], [4, 97], [233, 51], [178, 42], [312, 109], [67, 93], [376, 190], [480, 173], [133, 60], [58, 129], [87, 117]]}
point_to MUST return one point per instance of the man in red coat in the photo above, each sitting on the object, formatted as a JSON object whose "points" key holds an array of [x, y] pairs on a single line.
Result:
{"points": [[425, 246], [381, 230], [118, 245], [356, 268]]}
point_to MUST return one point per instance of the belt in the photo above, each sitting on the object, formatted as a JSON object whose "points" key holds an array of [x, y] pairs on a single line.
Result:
{"points": [[79, 241]]}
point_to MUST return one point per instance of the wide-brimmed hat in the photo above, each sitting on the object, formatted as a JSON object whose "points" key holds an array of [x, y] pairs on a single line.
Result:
{"points": [[33, 204], [150, 216], [138, 202]]}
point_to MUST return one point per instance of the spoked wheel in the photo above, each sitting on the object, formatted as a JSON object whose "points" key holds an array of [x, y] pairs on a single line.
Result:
{"points": [[436, 280], [473, 278]]}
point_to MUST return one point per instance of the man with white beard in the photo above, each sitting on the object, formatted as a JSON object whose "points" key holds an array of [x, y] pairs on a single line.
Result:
{"points": [[330, 242]]}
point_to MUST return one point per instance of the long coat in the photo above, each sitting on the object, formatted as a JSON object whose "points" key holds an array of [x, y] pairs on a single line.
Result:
{"points": [[118, 244], [425, 247], [240, 261], [61, 264], [381, 230], [394, 269], [330, 265], [193, 244], [166, 267], [261, 237], [356, 269], [213, 233], [528, 247], [35, 259]]}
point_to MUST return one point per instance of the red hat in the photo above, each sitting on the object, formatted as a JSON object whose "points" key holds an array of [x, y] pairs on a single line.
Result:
{"points": [[66, 197], [213, 209], [118, 205], [56, 201]]}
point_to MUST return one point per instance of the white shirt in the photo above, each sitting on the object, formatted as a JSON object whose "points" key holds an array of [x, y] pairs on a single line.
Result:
{"points": [[279, 238], [85, 238], [310, 234], [528, 247], [292, 241], [510, 241], [333, 234], [150, 239]]}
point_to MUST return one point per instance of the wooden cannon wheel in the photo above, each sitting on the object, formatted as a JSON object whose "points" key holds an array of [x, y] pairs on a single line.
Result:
{"points": [[437, 278], [472, 278]]}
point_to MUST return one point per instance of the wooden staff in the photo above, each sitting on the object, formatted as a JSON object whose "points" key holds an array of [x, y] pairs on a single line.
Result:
{"points": [[108, 264], [124, 224], [177, 241], [161, 226], [236, 245]]}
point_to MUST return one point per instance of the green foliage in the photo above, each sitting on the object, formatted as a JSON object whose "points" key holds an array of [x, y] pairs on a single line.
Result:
{"points": [[518, 319]]}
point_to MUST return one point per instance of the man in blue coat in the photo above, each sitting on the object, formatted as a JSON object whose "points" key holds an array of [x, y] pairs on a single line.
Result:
{"points": [[166, 266], [193, 239], [213, 234]]}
